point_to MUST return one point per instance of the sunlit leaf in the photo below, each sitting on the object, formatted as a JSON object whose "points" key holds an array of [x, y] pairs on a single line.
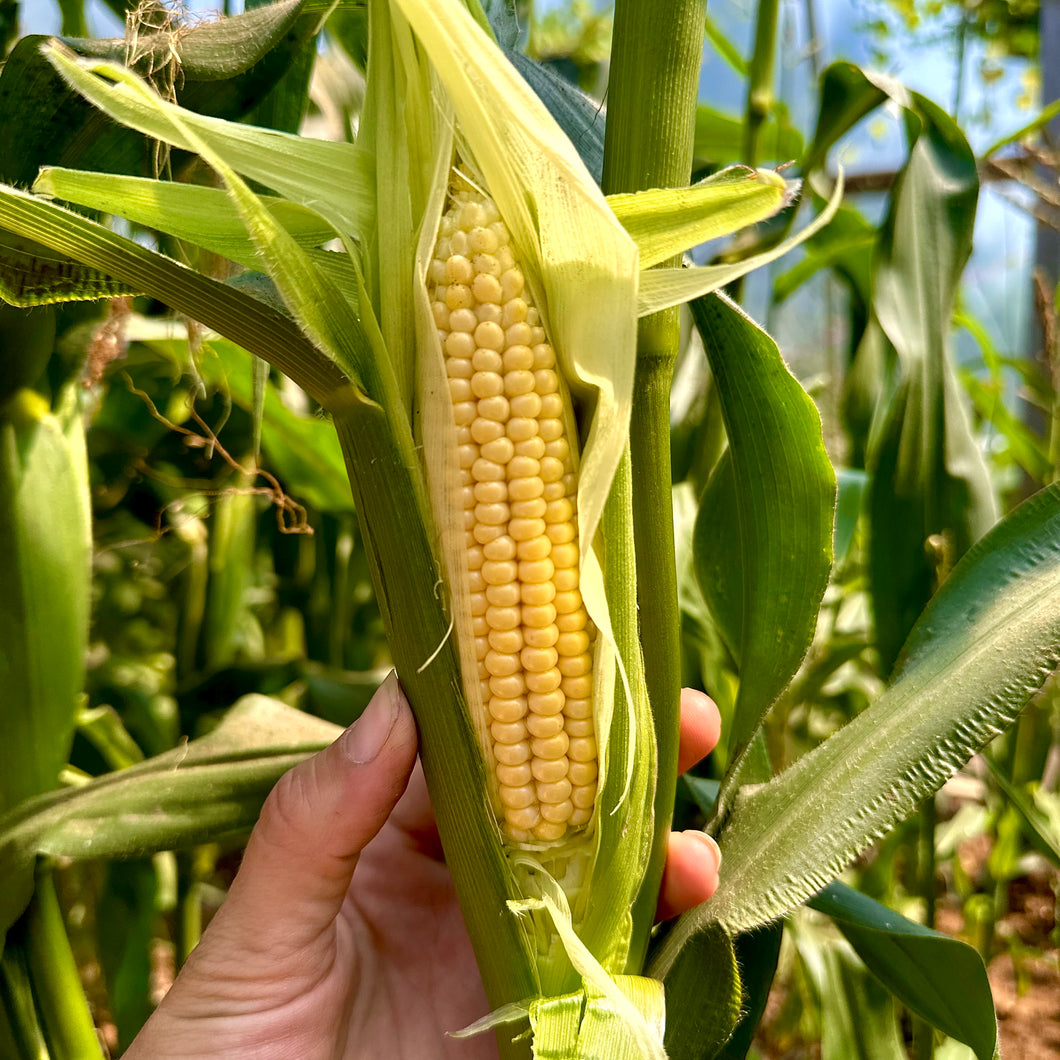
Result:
{"points": [[667, 221]]}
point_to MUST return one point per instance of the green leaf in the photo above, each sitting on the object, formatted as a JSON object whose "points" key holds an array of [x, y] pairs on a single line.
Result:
{"points": [[210, 787], [130, 897], [846, 246], [777, 539], [45, 571], [848, 94], [852, 486], [699, 1021], [188, 211], [661, 288], [929, 478], [1040, 121], [1041, 828], [21, 1034], [940, 978], [315, 302], [576, 114], [333, 178], [256, 326], [719, 137], [27, 339], [757, 955], [55, 977], [858, 1018], [33, 275], [985, 644], [718, 554], [225, 66], [665, 222], [1025, 447], [724, 47]]}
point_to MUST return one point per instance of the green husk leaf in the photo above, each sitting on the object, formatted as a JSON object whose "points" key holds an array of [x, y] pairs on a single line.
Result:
{"points": [[624, 1017], [316, 303], [333, 178], [661, 288], [225, 67], [256, 326], [667, 221], [190, 212]]}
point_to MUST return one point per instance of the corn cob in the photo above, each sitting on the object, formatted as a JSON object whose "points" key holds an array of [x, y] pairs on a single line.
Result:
{"points": [[517, 461]]}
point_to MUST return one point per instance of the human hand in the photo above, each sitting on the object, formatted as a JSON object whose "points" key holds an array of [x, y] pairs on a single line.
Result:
{"points": [[298, 963]]}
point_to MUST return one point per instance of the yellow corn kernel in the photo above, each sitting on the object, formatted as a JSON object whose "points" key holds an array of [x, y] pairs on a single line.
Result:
{"points": [[534, 642]]}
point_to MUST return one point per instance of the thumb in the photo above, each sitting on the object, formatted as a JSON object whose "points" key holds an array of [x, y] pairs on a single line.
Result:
{"points": [[301, 855]]}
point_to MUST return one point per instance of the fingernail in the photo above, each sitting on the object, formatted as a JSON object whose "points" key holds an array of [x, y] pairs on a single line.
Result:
{"points": [[708, 842], [365, 738]]}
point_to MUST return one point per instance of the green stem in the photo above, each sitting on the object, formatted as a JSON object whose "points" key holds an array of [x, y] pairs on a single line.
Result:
{"points": [[64, 1013], [20, 1030], [652, 95], [760, 78], [923, 1034]]}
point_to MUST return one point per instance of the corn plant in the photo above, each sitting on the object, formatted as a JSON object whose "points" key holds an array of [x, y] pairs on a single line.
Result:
{"points": [[494, 346]]}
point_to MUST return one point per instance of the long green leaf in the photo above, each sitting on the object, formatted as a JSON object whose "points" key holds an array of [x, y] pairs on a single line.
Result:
{"points": [[45, 558], [333, 178], [310, 295], [210, 787], [700, 1021], [858, 1018], [200, 215], [719, 137], [938, 977], [848, 94], [928, 474], [1040, 829], [763, 567], [256, 326], [757, 956], [191, 212], [985, 644]]}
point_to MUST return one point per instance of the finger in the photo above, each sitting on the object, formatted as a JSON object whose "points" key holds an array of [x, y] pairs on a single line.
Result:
{"points": [[691, 873], [301, 855], [700, 728]]}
